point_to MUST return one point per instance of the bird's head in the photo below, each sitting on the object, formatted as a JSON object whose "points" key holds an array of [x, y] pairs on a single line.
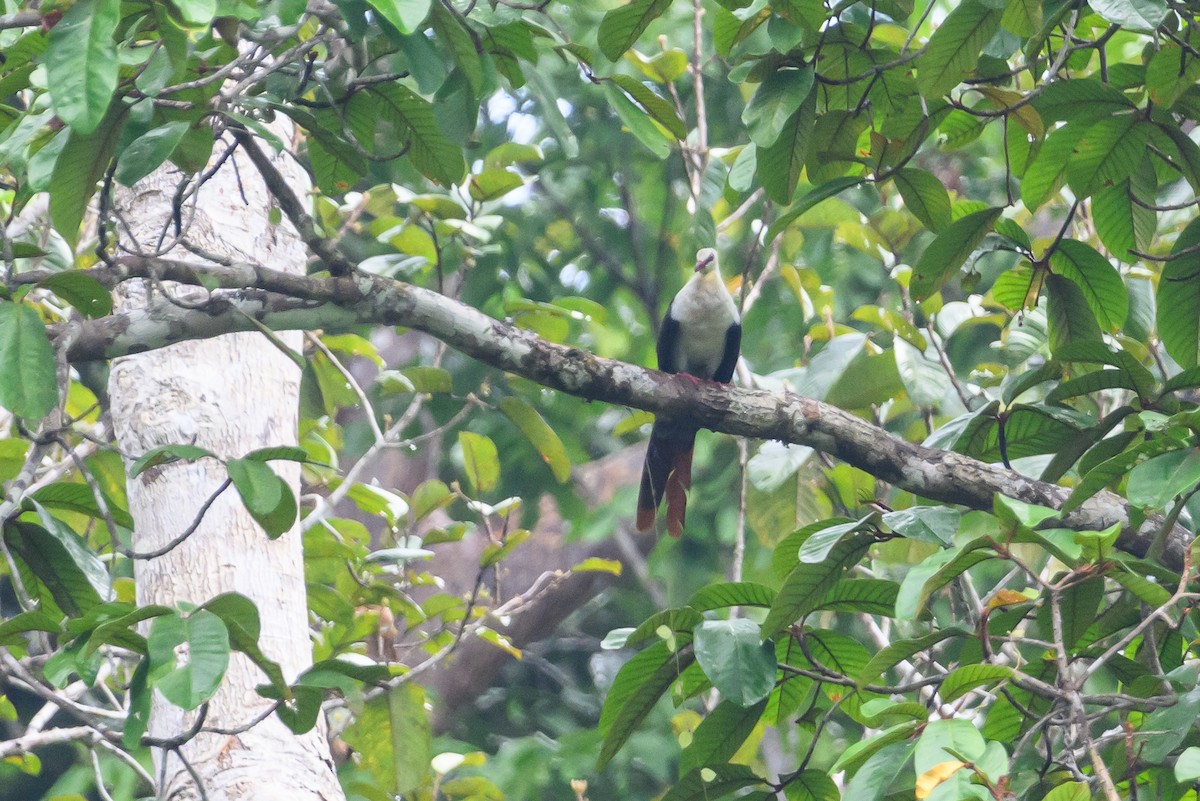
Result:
{"points": [[706, 261]]}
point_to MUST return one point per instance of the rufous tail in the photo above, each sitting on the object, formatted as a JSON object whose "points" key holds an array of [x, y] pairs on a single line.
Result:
{"points": [[667, 473]]}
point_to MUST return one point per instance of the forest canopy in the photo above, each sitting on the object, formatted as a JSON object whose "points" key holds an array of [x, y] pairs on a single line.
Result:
{"points": [[939, 547]]}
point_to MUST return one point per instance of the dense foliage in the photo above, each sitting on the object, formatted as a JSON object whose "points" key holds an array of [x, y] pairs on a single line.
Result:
{"points": [[971, 224]]}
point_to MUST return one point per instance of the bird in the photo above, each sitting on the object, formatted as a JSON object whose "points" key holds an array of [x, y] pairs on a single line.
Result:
{"points": [[701, 336]]}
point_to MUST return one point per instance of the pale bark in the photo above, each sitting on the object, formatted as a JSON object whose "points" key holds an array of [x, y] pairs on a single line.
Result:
{"points": [[231, 394]]}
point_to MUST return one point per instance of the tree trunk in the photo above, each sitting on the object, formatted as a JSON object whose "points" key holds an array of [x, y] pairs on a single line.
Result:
{"points": [[231, 395]]}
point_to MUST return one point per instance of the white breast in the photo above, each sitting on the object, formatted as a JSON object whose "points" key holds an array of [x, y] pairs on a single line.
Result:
{"points": [[705, 311]]}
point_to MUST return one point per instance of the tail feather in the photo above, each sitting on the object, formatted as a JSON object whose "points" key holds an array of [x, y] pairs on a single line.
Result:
{"points": [[667, 473]]}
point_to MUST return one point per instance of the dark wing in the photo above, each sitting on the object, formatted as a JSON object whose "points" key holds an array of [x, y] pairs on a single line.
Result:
{"points": [[733, 346], [668, 343]]}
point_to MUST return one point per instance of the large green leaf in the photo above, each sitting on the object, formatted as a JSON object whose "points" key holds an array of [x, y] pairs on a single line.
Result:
{"points": [[188, 681], [1069, 318], [430, 151], [1179, 299], [721, 733], [807, 585], [780, 165], [480, 460], [1098, 280], [405, 15], [656, 139], [925, 196], [638, 686], [80, 166], [712, 783], [73, 575], [144, 155], [923, 580], [950, 251], [954, 48], [774, 103], [621, 27], [1108, 153], [28, 382], [655, 105], [1138, 15], [268, 497], [539, 434], [735, 659], [81, 63], [900, 650], [1048, 171], [1158, 482]]}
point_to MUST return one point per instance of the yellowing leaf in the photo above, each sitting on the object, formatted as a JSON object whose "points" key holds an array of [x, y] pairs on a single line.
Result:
{"points": [[928, 781]]}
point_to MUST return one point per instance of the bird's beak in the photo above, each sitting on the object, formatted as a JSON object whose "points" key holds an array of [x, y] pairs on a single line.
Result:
{"points": [[700, 265]]}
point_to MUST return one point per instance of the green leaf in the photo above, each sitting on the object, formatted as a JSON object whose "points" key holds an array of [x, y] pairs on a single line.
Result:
{"points": [[812, 785], [81, 63], [1069, 319], [954, 48], [933, 524], [656, 139], [1187, 766], [79, 167], [1048, 171], [28, 382], [1070, 791], [727, 594], [193, 678], [656, 106], [735, 659], [876, 775], [925, 196], [1108, 153], [79, 498], [945, 740], [966, 678], [493, 184], [267, 497], [1022, 17], [639, 684], [780, 165], [1096, 278], [713, 782], [240, 616], [1164, 729], [480, 460], [900, 650], [1122, 224], [621, 27], [807, 585], [405, 15], [1179, 299], [146, 153], [438, 158], [950, 250], [165, 454], [1159, 481], [923, 580], [1149, 592], [1085, 99], [811, 199], [665, 67], [775, 102], [871, 596], [721, 734], [80, 290], [1137, 15]]}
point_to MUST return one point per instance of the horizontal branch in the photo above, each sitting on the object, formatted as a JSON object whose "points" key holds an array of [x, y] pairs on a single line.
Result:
{"points": [[255, 296]]}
